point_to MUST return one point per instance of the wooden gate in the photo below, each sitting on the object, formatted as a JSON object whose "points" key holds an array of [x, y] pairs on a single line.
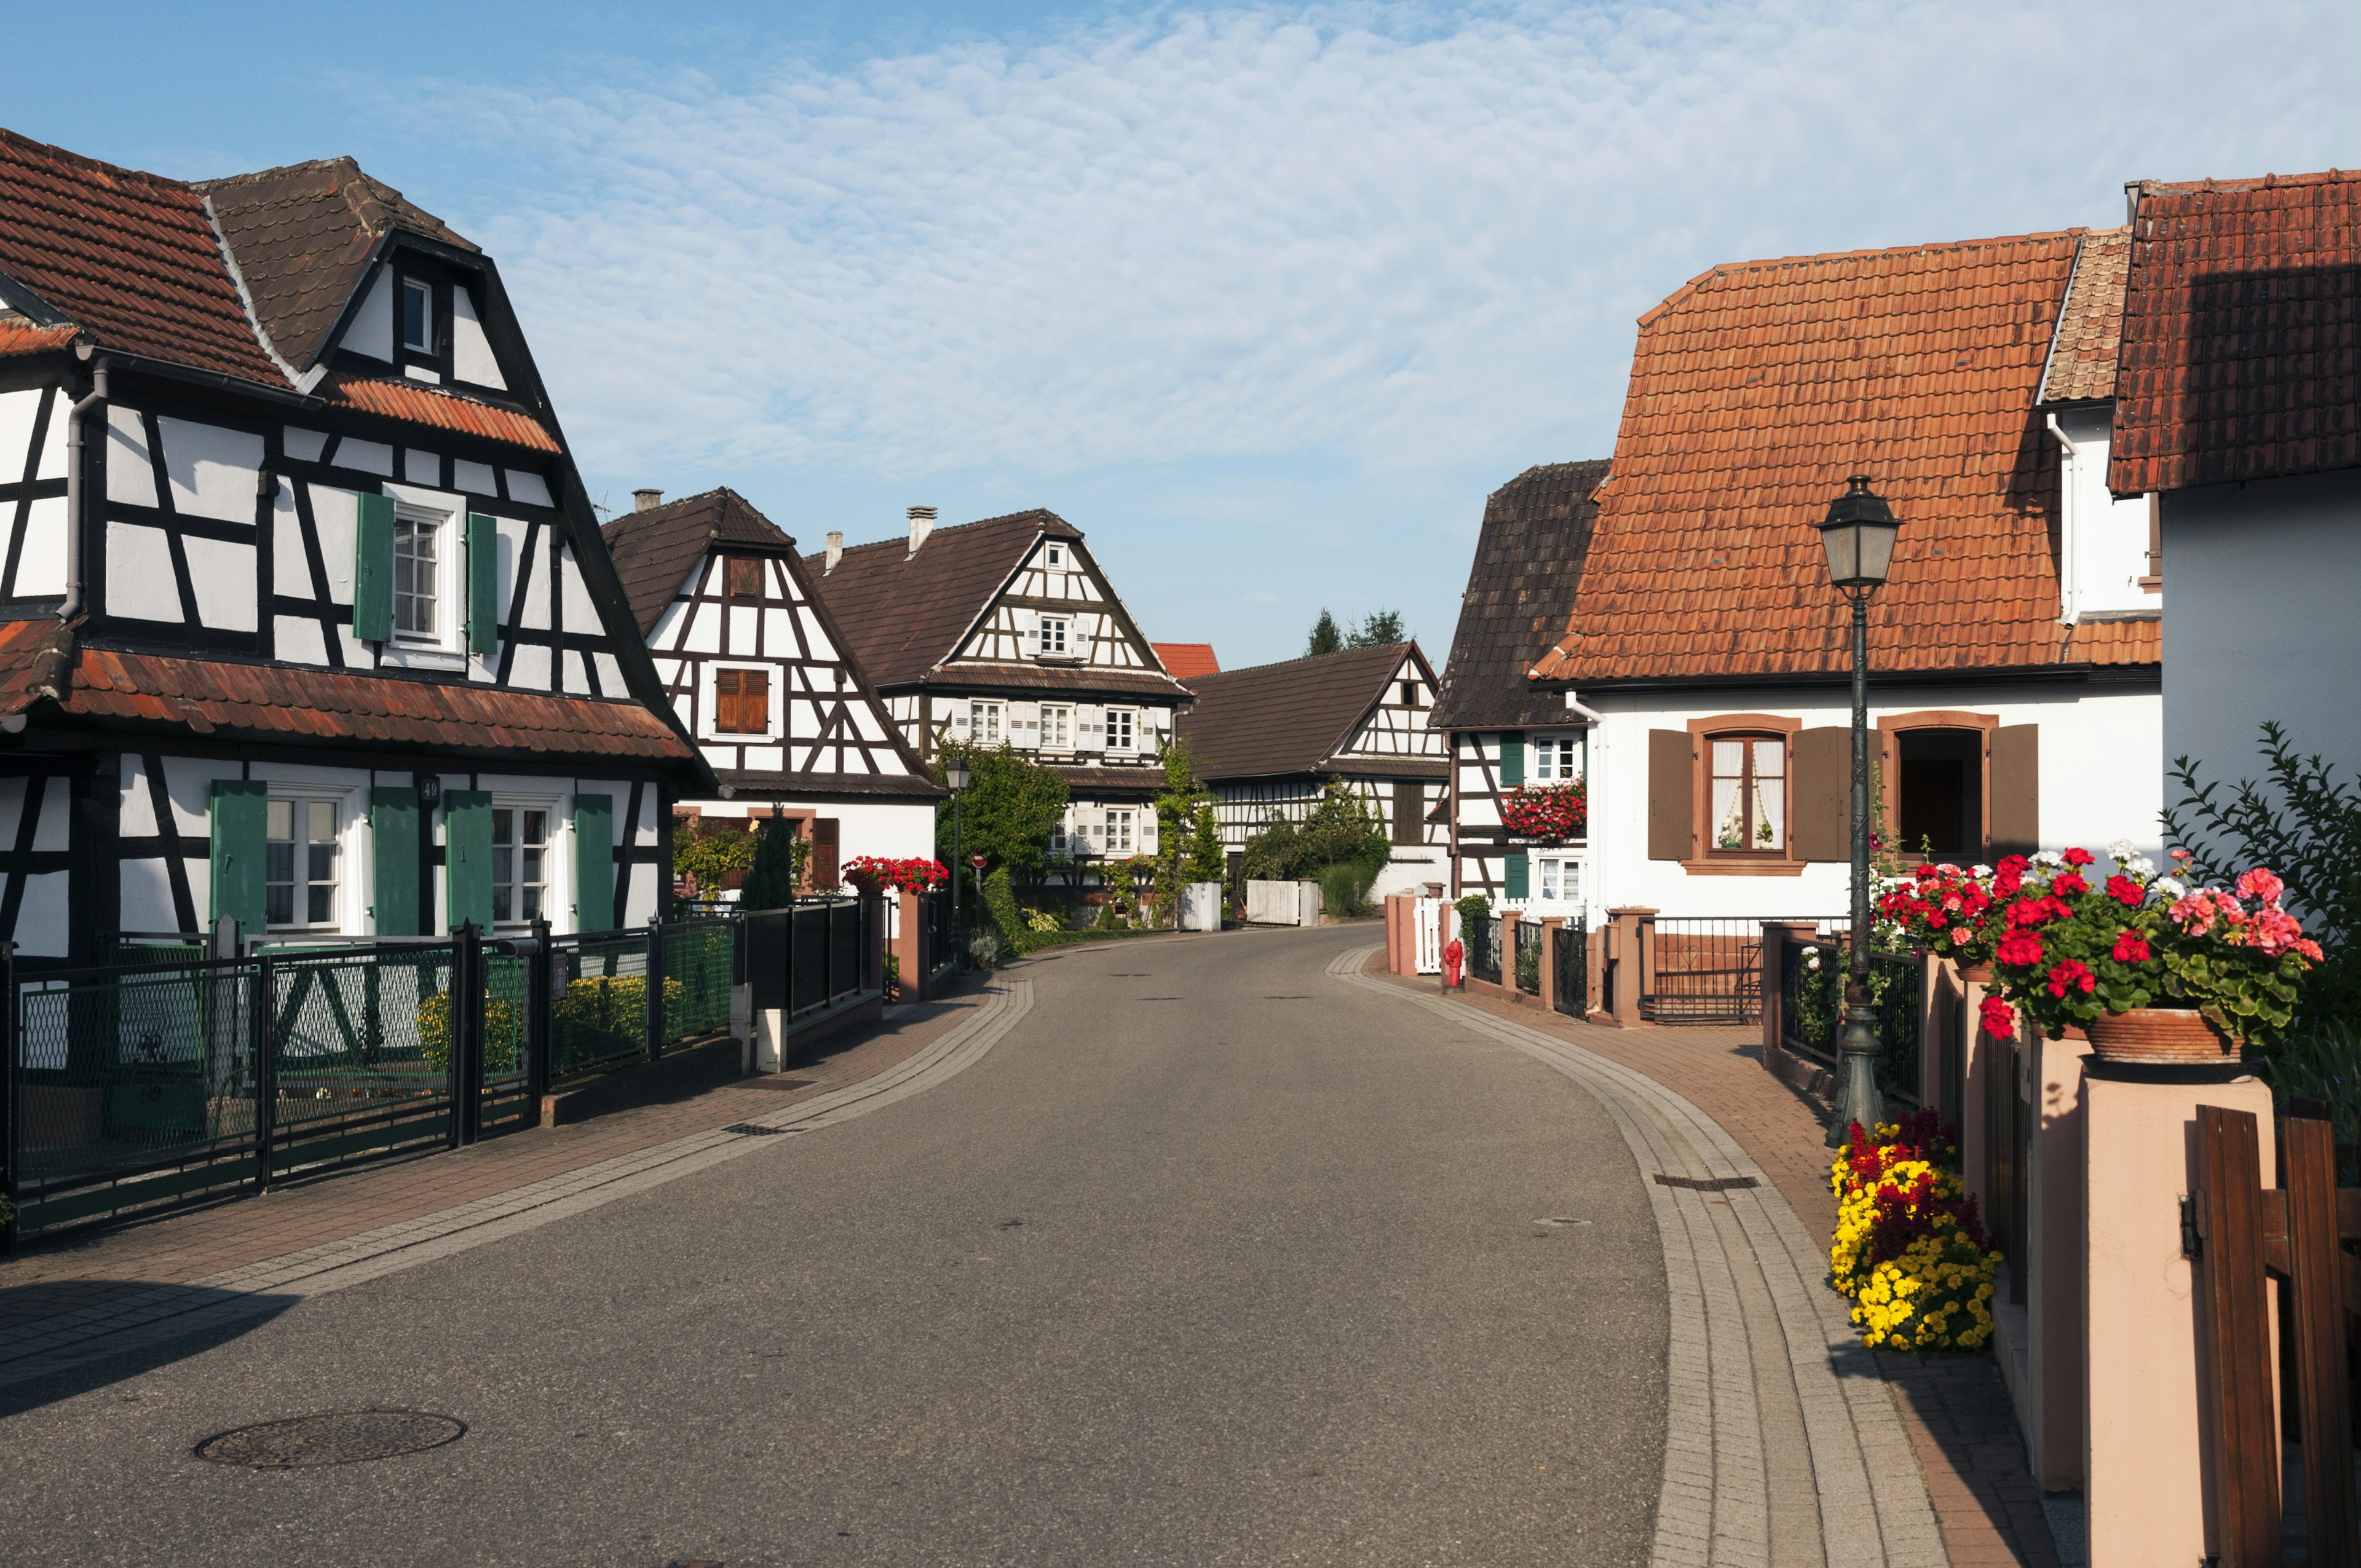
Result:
{"points": [[2242, 1233]]}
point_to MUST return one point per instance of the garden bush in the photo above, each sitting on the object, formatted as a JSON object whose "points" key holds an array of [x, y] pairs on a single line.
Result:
{"points": [[1344, 888], [1910, 1248]]}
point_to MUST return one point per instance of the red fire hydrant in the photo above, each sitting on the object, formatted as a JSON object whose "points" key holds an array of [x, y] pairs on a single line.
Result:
{"points": [[1453, 955]]}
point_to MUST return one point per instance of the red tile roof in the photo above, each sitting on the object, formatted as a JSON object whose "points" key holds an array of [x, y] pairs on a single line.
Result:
{"points": [[21, 336], [414, 402], [2242, 333], [1754, 392], [131, 257], [2091, 328], [1183, 660], [39, 661]]}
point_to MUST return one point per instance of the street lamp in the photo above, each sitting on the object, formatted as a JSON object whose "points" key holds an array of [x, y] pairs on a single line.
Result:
{"points": [[955, 774], [1858, 534]]}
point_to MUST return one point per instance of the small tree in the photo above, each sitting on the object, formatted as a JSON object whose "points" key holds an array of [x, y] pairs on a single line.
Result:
{"points": [[781, 852], [1325, 639], [1176, 806], [1207, 861], [708, 849], [1377, 629], [1007, 812]]}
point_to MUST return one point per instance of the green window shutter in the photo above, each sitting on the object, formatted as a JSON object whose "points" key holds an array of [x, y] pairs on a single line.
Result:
{"points": [[239, 833], [1517, 876], [483, 579], [394, 854], [373, 569], [1512, 757], [467, 856], [594, 862]]}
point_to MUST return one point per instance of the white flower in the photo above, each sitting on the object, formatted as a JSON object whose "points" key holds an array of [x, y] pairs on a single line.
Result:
{"points": [[2120, 851], [2172, 887], [1814, 961], [1980, 871], [2140, 866], [2049, 858]]}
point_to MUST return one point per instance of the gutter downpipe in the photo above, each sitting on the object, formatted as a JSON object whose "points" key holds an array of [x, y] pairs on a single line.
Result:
{"points": [[2069, 585], [72, 605]]}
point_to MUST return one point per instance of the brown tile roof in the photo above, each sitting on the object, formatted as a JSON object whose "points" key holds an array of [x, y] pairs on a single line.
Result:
{"points": [[760, 786], [1521, 589], [130, 257], [905, 613], [22, 336], [1083, 779], [1754, 392], [1288, 718], [1182, 661], [414, 402], [39, 661], [302, 235], [2242, 333], [2091, 328], [2131, 640], [1075, 680], [655, 550]]}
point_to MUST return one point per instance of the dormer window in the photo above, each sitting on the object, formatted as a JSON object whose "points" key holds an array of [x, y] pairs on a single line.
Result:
{"points": [[1049, 636], [1055, 557], [745, 576], [417, 316]]}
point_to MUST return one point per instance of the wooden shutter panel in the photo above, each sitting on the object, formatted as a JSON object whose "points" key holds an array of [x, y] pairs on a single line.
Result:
{"points": [[1512, 758], [1819, 794], [373, 569], [467, 857], [238, 834], [1516, 875], [2014, 775], [594, 862], [825, 839], [393, 860], [725, 700], [1671, 825], [1410, 812], [754, 701], [483, 585]]}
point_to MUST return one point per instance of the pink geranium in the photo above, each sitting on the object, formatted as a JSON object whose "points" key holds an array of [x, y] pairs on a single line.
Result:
{"points": [[2260, 884]]}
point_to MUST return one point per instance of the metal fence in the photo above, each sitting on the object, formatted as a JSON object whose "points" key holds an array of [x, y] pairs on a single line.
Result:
{"points": [[1701, 971], [1570, 985], [1812, 972], [938, 914], [803, 960], [1482, 940], [1529, 941]]}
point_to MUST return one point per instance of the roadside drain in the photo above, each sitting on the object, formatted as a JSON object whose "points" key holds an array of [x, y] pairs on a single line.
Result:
{"points": [[771, 1081], [1705, 1183], [756, 1130], [340, 1437], [1561, 1220]]}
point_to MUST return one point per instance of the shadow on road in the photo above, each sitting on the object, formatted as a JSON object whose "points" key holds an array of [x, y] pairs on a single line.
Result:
{"points": [[214, 1317]]}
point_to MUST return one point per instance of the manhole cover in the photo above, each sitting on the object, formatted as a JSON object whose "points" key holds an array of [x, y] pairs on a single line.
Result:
{"points": [[340, 1437]]}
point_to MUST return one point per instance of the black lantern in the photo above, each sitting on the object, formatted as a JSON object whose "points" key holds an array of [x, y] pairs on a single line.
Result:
{"points": [[956, 775], [1858, 534]]}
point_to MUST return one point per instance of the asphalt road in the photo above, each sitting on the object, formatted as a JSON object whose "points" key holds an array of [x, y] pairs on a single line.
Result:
{"points": [[1212, 1260]]}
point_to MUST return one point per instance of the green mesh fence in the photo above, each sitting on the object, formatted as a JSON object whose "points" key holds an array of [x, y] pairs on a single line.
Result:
{"points": [[360, 1035], [599, 1006], [697, 982]]}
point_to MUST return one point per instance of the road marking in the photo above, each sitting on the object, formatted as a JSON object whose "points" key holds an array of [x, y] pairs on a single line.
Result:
{"points": [[169, 1311], [1737, 1259]]}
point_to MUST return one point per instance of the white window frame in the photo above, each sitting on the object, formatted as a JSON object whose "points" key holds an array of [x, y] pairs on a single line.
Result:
{"points": [[1057, 727], [1550, 874], [1126, 817], [977, 711], [556, 846], [1126, 720], [1053, 557], [406, 286], [1058, 840], [355, 872], [1558, 759], [411, 505], [712, 694], [1042, 628]]}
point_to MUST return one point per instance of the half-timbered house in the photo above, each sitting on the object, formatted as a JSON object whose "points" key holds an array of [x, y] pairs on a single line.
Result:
{"points": [[307, 620], [1268, 740], [1503, 732], [1007, 630], [760, 674]]}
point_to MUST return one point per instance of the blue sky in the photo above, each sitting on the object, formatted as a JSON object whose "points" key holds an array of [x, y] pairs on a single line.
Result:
{"points": [[1265, 298]]}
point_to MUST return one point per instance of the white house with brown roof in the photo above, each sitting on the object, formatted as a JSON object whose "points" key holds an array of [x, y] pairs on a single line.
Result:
{"points": [[762, 676], [307, 621], [2012, 708], [1007, 630]]}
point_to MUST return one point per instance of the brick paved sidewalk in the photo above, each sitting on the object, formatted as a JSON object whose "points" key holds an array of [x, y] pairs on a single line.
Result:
{"points": [[47, 1278], [1954, 1408]]}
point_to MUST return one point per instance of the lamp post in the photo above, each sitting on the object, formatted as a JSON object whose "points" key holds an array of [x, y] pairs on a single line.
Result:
{"points": [[1858, 534], [955, 774]]}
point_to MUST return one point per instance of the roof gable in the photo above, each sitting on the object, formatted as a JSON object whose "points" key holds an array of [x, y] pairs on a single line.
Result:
{"points": [[1528, 567], [1186, 661], [905, 613], [656, 550], [1755, 390], [2081, 365], [1288, 718], [2242, 330]]}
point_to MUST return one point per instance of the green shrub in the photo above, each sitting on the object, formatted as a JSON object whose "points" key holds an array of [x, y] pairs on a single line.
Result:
{"points": [[502, 1039], [985, 949], [1344, 888], [1000, 909]]}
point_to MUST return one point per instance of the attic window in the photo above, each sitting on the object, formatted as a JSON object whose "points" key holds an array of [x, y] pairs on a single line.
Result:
{"points": [[745, 576], [417, 315], [1055, 556]]}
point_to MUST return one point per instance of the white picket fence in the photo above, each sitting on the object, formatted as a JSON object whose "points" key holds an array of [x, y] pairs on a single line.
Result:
{"points": [[1434, 921]]}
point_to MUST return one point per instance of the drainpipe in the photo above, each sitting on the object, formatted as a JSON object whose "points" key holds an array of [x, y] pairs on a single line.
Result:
{"points": [[72, 605], [2069, 573]]}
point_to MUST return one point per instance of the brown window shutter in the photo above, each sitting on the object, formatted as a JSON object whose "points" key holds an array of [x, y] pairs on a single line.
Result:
{"points": [[1819, 806], [754, 701], [1672, 813], [2014, 775], [1410, 812], [725, 699], [824, 872]]}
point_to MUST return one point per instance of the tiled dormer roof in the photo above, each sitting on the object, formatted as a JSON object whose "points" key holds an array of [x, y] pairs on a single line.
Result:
{"points": [[130, 257], [2242, 333], [2090, 329], [656, 550], [1754, 392], [905, 613], [1183, 660], [1521, 589], [302, 235]]}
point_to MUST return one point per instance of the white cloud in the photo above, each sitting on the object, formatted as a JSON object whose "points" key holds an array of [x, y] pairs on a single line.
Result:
{"points": [[1401, 237]]}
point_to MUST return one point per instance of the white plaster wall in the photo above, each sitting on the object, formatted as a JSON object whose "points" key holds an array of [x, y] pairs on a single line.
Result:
{"points": [[19, 412], [527, 488], [2104, 539], [1410, 867], [211, 470], [478, 480], [144, 884], [368, 456], [2100, 781], [131, 478], [139, 581], [897, 830], [41, 567], [372, 329], [471, 351], [304, 445], [2260, 587]]}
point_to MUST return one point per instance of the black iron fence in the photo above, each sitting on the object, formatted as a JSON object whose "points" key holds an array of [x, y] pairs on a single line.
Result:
{"points": [[139, 1084], [1812, 973], [1570, 986], [1481, 941], [1701, 970], [1530, 937], [801, 959]]}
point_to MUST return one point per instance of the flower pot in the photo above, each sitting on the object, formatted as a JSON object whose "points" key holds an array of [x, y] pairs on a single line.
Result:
{"points": [[2160, 1035], [1976, 974]]}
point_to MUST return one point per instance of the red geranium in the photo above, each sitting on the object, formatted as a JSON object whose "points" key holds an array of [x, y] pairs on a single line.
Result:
{"points": [[2069, 884], [2019, 948], [2076, 857], [2131, 947], [1999, 1018], [2072, 975], [2125, 891]]}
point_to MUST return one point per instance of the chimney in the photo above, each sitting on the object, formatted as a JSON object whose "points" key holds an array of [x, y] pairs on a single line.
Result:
{"points": [[835, 550], [646, 500], [922, 522]]}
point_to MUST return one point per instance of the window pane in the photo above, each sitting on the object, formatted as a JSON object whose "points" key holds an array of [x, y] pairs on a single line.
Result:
{"points": [[1729, 814], [532, 905], [278, 905], [321, 866], [1728, 759], [536, 826], [501, 894], [278, 820], [279, 862], [324, 820], [418, 317], [322, 910], [1770, 813], [1770, 758]]}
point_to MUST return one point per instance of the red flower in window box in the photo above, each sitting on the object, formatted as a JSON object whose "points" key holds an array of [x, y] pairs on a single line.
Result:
{"points": [[872, 873], [1547, 811]]}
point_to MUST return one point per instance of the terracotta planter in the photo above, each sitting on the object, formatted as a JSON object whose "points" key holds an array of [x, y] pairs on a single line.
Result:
{"points": [[2160, 1035], [1976, 974]]}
